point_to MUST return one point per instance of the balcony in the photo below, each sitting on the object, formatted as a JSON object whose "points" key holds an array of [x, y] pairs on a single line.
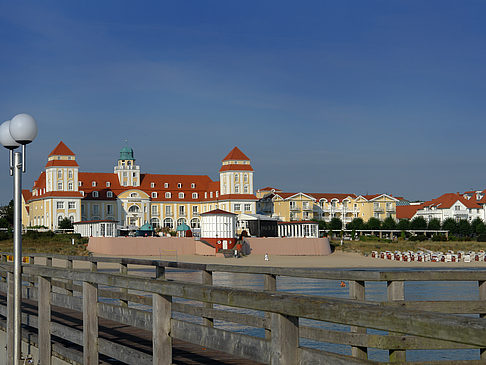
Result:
{"points": [[378, 209], [294, 208]]}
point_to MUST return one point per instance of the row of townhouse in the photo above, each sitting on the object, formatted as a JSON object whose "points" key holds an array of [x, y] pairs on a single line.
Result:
{"points": [[132, 198], [324, 206], [468, 206]]}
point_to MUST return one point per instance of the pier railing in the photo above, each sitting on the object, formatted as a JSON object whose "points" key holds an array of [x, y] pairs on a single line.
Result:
{"points": [[150, 304]]}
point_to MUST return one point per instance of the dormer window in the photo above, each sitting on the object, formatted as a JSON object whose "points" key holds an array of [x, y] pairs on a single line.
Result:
{"points": [[181, 195], [166, 185], [211, 194], [179, 185], [80, 183], [152, 185], [154, 194], [194, 195], [205, 195], [217, 194], [109, 194], [133, 195], [95, 194], [93, 183], [167, 195], [193, 186], [108, 184], [82, 192]]}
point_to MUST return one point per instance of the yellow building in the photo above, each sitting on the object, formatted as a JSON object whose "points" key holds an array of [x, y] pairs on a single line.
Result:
{"points": [[132, 198], [324, 206]]}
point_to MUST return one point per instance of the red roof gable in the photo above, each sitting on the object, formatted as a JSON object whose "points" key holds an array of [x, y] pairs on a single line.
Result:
{"points": [[62, 163], [407, 211], [218, 211], [61, 149], [447, 200], [236, 154], [236, 167]]}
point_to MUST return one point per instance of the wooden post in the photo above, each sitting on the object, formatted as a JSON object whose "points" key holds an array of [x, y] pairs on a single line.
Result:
{"points": [[124, 271], [48, 261], [357, 291], [44, 325], [269, 284], [207, 279], [69, 266], [482, 297], [90, 323], [159, 272], [162, 342], [285, 339], [93, 266], [10, 317], [395, 290]]}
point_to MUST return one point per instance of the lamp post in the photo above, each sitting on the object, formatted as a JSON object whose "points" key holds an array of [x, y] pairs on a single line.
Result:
{"points": [[19, 131]]}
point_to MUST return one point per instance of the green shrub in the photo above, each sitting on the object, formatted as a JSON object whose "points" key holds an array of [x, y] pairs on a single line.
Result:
{"points": [[420, 237], [482, 237], [439, 237]]}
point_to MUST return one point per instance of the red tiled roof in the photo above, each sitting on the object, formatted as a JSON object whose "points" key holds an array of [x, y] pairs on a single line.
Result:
{"points": [[407, 211], [41, 181], [236, 154], [330, 196], [268, 188], [447, 200], [61, 149], [61, 163], [27, 195], [238, 197], [236, 167], [218, 211]]}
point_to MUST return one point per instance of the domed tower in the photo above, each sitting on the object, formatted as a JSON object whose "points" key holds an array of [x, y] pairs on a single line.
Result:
{"points": [[236, 174], [128, 172]]}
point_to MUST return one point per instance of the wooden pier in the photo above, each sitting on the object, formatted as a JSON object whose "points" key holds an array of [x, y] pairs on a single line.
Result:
{"points": [[90, 316]]}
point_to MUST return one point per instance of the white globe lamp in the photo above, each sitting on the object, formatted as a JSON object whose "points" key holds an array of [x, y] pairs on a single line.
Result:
{"points": [[23, 128], [6, 138]]}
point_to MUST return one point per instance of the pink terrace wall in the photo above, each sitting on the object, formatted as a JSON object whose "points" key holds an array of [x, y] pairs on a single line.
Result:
{"points": [[289, 246], [148, 246], [155, 246]]}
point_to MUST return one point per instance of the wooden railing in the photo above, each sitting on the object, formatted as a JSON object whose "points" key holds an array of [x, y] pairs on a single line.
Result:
{"points": [[409, 324]]}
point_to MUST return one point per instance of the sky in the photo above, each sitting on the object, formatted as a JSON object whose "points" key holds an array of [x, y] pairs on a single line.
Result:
{"points": [[359, 97]]}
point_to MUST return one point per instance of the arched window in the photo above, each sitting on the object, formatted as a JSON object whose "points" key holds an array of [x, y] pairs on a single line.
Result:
{"points": [[195, 223], [133, 195], [59, 219], [181, 221], [169, 223], [245, 177], [155, 222], [59, 174], [71, 218], [245, 189], [70, 174], [134, 209]]}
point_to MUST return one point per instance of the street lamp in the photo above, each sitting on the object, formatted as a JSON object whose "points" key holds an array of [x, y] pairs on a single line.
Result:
{"points": [[19, 131]]}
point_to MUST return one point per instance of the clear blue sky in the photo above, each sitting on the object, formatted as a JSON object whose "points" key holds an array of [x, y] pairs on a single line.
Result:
{"points": [[323, 96]]}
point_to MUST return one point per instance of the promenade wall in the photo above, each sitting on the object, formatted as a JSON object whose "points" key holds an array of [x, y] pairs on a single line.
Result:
{"points": [[171, 246], [285, 246]]}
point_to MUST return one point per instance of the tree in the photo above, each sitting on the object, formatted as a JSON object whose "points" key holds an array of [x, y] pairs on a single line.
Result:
{"points": [[434, 224], [322, 224], [403, 225], [65, 224], [450, 225], [373, 223], [418, 223], [7, 213], [356, 223], [335, 224], [474, 224], [464, 228], [480, 228], [389, 223]]}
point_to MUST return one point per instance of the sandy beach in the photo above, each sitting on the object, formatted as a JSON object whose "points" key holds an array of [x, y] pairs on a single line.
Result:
{"points": [[337, 259]]}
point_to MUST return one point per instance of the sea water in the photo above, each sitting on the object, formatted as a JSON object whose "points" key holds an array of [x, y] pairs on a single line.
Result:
{"points": [[375, 291]]}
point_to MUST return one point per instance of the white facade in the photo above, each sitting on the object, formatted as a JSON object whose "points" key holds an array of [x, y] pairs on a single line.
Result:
{"points": [[218, 225], [96, 228]]}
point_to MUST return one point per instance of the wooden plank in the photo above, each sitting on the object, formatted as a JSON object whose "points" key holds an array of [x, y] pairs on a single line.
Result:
{"points": [[162, 344], [44, 325], [284, 339], [452, 306], [123, 291], [357, 292], [90, 323], [207, 279], [396, 291], [312, 356], [269, 284], [383, 342], [239, 345]]}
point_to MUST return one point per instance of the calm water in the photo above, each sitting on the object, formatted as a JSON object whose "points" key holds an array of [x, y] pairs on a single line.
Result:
{"points": [[375, 291]]}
